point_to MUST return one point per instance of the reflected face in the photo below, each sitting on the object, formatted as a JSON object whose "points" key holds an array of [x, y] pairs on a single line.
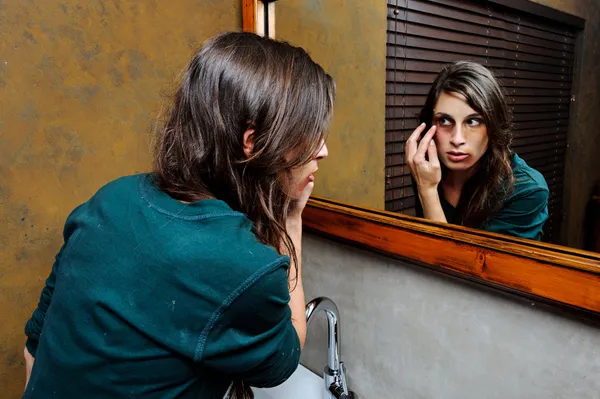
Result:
{"points": [[461, 136], [302, 175]]}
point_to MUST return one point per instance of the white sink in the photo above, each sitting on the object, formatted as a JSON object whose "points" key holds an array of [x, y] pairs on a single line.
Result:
{"points": [[303, 384]]}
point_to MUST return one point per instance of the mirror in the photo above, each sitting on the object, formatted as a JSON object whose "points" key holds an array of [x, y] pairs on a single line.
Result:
{"points": [[539, 185]]}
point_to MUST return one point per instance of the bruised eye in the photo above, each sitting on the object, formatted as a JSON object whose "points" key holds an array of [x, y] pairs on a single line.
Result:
{"points": [[443, 121], [474, 122]]}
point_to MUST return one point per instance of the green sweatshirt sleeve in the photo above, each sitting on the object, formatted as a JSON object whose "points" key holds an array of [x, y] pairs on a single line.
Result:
{"points": [[254, 339], [33, 327]]}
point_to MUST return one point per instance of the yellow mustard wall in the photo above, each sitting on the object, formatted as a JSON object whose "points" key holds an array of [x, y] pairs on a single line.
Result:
{"points": [[347, 37], [81, 82]]}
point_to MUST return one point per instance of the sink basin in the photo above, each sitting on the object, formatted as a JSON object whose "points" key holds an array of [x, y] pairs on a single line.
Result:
{"points": [[303, 384]]}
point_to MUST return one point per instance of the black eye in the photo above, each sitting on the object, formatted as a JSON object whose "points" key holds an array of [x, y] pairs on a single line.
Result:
{"points": [[474, 122], [443, 121]]}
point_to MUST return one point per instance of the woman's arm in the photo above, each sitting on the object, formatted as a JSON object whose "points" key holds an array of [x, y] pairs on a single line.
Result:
{"points": [[426, 172], [297, 298], [432, 206], [35, 324], [259, 336], [33, 328]]}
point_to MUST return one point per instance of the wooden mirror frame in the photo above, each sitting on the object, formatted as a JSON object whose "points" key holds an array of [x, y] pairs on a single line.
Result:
{"points": [[550, 273], [539, 270]]}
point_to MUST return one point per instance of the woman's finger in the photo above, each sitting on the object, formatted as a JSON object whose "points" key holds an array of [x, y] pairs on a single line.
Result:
{"points": [[424, 143], [410, 148], [306, 194], [432, 154]]}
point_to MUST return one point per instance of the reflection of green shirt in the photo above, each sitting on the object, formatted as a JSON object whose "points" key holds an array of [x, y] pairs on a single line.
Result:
{"points": [[152, 298], [524, 212]]}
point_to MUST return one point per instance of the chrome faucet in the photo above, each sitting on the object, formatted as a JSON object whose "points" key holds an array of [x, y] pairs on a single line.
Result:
{"points": [[334, 374]]}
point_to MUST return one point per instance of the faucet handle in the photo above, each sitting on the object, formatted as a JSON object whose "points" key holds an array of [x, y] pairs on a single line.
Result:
{"points": [[337, 390]]}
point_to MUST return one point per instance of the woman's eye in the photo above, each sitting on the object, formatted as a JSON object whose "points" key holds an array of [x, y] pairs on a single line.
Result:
{"points": [[444, 122], [474, 122]]}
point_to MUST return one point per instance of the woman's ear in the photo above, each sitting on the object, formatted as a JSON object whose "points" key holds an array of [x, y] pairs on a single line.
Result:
{"points": [[249, 142]]}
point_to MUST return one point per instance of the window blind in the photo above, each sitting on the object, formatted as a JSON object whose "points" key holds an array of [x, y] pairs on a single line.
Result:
{"points": [[533, 58]]}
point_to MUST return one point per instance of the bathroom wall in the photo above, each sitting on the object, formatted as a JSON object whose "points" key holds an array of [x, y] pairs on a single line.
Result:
{"points": [[347, 37], [408, 332], [81, 83]]}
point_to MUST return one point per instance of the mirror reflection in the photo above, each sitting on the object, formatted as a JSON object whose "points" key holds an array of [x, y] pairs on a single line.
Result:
{"points": [[462, 166], [495, 83], [503, 98]]}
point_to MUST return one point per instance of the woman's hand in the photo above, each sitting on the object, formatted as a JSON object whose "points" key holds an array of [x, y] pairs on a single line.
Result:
{"points": [[299, 204], [28, 365], [426, 172], [294, 229]]}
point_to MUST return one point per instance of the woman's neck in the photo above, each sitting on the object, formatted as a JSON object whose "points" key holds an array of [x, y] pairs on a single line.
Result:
{"points": [[453, 184], [457, 179]]}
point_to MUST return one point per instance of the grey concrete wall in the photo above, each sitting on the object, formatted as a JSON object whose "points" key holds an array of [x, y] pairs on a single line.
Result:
{"points": [[410, 333]]}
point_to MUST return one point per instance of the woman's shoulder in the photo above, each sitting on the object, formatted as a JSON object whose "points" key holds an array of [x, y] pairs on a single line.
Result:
{"points": [[527, 179], [117, 192], [123, 183], [224, 244], [240, 243], [206, 232], [526, 209]]}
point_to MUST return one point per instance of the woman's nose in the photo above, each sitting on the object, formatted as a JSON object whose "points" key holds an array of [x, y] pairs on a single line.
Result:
{"points": [[323, 152], [457, 138]]}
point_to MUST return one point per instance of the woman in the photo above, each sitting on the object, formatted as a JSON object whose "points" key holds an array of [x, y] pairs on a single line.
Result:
{"points": [[463, 169], [176, 284]]}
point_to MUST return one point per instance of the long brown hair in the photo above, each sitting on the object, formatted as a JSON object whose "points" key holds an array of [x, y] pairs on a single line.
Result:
{"points": [[484, 193], [240, 81]]}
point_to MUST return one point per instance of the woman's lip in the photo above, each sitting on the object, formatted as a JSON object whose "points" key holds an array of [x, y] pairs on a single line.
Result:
{"points": [[457, 157], [311, 177]]}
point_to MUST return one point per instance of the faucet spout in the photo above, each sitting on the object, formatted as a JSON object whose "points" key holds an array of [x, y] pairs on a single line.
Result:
{"points": [[333, 317], [335, 376]]}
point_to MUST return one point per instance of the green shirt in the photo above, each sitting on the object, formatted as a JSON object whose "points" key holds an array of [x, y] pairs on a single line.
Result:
{"points": [[524, 211], [153, 298]]}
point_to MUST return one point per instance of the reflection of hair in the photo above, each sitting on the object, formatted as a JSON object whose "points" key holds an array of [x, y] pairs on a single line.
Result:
{"points": [[235, 82], [485, 192]]}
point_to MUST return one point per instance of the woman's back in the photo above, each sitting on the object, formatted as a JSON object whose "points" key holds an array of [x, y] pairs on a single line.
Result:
{"points": [[162, 290], [155, 298]]}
